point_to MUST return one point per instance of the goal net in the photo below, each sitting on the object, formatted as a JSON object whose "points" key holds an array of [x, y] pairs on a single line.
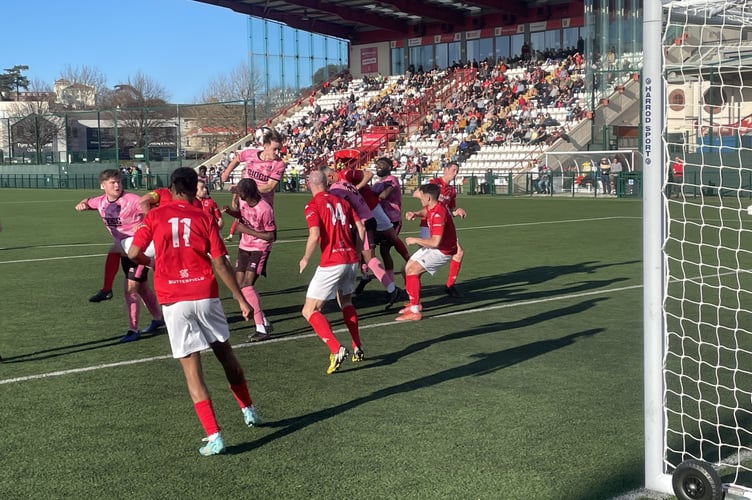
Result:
{"points": [[698, 376]]}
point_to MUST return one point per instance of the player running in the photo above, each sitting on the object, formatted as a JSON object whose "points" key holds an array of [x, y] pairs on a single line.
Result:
{"points": [[187, 245]]}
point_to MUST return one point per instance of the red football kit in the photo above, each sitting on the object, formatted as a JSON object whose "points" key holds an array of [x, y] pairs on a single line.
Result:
{"points": [[336, 220], [440, 223], [185, 239], [447, 196]]}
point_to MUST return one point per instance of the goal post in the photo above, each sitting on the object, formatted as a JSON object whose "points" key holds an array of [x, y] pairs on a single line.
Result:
{"points": [[656, 477], [697, 247]]}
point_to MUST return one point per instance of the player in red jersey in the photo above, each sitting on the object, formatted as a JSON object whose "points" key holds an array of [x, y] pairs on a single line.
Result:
{"points": [[265, 166], [208, 205], [448, 198], [258, 233], [435, 251], [121, 214], [187, 246], [330, 221]]}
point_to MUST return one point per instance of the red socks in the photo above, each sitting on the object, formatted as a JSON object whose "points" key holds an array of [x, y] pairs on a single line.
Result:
{"points": [[412, 286], [351, 321], [242, 396], [111, 266], [205, 414], [324, 331], [454, 270]]}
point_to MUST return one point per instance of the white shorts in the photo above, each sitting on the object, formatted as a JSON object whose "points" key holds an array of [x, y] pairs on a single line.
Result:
{"points": [[328, 280], [126, 245], [382, 221], [193, 325], [430, 258]]}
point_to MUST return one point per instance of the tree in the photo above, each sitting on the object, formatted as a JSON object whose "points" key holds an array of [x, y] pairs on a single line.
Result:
{"points": [[228, 111], [34, 128], [87, 76], [142, 112], [12, 80]]}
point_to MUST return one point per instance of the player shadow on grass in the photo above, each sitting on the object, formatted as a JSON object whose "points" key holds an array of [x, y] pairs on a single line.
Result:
{"points": [[543, 317], [65, 350], [484, 363], [500, 288]]}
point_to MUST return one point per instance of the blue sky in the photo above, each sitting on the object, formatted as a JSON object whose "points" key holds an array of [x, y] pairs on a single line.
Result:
{"points": [[181, 44]]}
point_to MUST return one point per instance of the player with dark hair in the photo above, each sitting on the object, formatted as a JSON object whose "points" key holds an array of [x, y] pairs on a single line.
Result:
{"points": [[187, 245], [121, 213], [256, 223], [448, 197], [435, 251], [389, 192], [330, 225]]}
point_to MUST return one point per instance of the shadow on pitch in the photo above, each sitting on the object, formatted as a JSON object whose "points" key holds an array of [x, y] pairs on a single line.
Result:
{"points": [[515, 286], [483, 364], [65, 350]]}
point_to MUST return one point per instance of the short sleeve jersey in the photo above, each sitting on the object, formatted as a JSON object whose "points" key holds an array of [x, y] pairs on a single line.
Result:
{"points": [[259, 218], [447, 196], [347, 191], [121, 217], [262, 171], [440, 223], [161, 195], [392, 204], [209, 206], [335, 218], [185, 240]]}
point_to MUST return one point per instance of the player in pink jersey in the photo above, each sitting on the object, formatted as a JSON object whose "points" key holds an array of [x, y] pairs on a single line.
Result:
{"points": [[330, 222], [340, 187], [188, 252], [258, 233], [265, 166], [435, 251], [122, 214], [448, 197], [361, 179], [389, 192]]}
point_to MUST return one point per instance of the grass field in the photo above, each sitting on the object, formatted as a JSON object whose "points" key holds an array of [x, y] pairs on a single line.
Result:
{"points": [[528, 387]]}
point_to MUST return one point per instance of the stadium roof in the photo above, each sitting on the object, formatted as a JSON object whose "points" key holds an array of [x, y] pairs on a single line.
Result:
{"points": [[368, 21]]}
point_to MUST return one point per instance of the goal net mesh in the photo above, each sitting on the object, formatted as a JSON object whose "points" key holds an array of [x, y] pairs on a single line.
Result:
{"points": [[707, 63]]}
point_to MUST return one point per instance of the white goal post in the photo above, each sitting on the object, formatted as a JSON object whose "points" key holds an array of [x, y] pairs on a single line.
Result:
{"points": [[697, 249]]}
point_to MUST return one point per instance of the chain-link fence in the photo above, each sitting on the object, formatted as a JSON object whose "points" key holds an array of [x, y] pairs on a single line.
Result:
{"points": [[179, 132]]}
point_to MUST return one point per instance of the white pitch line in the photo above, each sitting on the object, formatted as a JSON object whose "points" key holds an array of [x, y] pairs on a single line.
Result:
{"points": [[459, 228], [308, 335]]}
